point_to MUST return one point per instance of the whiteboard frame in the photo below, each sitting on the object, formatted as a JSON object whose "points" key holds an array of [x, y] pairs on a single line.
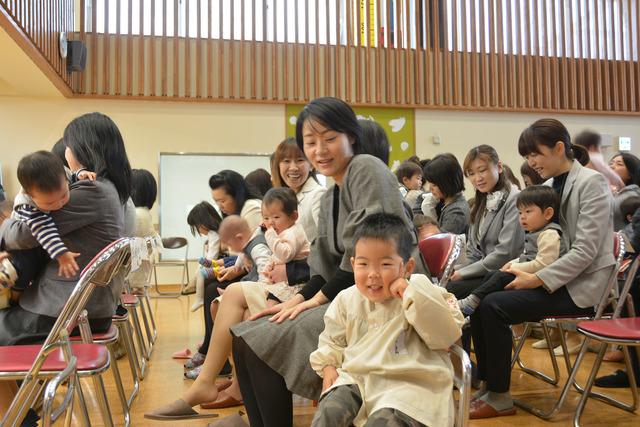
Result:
{"points": [[187, 153]]}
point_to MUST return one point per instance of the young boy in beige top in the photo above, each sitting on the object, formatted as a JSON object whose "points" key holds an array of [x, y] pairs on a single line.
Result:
{"points": [[538, 206], [383, 353]]}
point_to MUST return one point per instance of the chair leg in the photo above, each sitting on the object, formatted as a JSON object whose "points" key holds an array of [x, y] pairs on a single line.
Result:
{"points": [[147, 328], [133, 315], [101, 396], [119, 386], [554, 363], [125, 331], [84, 412], [154, 329], [160, 294], [563, 394]]}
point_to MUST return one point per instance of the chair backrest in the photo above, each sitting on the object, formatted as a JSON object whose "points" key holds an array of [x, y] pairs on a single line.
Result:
{"points": [[174, 242], [440, 252], [98, 273], [610, 295]]}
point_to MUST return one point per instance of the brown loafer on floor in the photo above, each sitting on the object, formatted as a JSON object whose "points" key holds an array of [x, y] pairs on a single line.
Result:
{"points": [[480, 409], [223, 385], [223, 401]]}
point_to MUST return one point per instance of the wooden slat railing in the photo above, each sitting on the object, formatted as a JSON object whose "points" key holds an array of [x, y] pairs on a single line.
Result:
{"points": [[36, 25], [534, 55]]}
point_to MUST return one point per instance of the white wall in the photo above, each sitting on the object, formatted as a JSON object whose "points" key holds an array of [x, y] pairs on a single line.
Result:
{"points": [[29, 124]]}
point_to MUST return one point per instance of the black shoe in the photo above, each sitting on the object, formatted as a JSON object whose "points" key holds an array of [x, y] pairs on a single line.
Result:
{"points": [[618, 380]]}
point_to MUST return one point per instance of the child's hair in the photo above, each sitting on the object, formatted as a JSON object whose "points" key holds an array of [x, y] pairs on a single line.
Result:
{"points": [[203, 215], [58, 149], [629, 206], [489, 155], [407, 170], [374, 140], [588, 139], [444, 171], [387, 227], [235, 186], [285, 196], [508, 173], [42, 171], [632, 163], [526, 170], [260, 180], [333, 114], [549, 132], [144, 189], [541, 196], [232, 225], [420, 220]]}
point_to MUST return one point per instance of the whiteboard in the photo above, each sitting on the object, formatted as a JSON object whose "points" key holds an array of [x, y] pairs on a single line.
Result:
{"points": [[184, 182]]}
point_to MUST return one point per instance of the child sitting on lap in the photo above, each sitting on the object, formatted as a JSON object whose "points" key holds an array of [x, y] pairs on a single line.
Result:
{"points": [[286, 241], [383, 353], [537, 206], [45, 188]]}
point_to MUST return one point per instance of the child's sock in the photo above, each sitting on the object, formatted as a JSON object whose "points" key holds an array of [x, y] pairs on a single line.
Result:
{"points": [[196, 305], [498, 401], [199, 297], [469, 304]]}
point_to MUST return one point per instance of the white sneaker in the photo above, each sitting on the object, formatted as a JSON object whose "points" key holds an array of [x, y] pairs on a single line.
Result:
{"points": [[196, 305]]}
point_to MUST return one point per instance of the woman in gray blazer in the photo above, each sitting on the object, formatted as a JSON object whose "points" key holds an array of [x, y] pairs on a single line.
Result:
{"points": [[495, 235], [572, 285], [93, 218], [451, 210]]}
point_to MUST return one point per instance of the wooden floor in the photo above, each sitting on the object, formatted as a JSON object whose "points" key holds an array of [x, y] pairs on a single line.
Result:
{"points": [[179, 328]]}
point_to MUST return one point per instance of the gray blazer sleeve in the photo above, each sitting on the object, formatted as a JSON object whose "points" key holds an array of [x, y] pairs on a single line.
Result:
{"points": [[594, 211], [369, 188], [79, 212], [509, 245], [454, 219]]}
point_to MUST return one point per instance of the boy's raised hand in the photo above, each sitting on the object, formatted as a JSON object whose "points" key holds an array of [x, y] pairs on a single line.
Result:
{"points": [[398, 287], [67, 265]]}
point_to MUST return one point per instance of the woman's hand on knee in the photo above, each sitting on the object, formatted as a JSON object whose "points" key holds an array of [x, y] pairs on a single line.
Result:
{"points": [[293, 312], [297, 299], [524, 280]]}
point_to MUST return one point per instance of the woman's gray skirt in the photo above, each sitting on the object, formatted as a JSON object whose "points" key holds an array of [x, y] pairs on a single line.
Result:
{"points": [[286, 348]]}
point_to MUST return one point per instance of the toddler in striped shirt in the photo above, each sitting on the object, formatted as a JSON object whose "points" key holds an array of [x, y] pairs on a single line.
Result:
{"points": [[45, 188]]}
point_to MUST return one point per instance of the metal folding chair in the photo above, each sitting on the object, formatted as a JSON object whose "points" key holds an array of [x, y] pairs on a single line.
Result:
{"points": [[609, 296], [36, 364], [173, 243], [619, 331]]}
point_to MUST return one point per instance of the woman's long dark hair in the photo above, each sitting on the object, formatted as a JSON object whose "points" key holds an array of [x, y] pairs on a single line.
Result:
{"points": [[489, 155], [333, 114], [96, 142], [549, 132], [234, 185]]}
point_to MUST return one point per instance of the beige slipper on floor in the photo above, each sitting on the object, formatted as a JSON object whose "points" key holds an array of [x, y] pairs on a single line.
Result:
{"points": [[178, 410], [234, 420]]}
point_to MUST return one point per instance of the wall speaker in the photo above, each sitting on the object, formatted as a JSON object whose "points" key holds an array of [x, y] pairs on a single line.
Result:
{"points": [[76, 56]]}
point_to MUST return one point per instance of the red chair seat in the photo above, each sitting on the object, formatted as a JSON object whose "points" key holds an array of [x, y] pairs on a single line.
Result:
{"points": [[129, 299], [627, 328], [435, 251], [108, 335], [20, 358]]}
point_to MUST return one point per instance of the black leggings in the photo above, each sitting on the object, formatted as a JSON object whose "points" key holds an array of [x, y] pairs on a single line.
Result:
{"points": [[266, 397]]}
